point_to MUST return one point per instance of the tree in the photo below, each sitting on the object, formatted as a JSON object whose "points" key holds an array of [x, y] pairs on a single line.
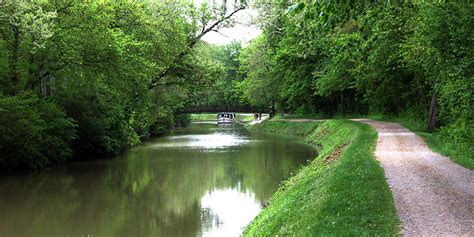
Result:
{"points": [[96, 61], [210, 18]]}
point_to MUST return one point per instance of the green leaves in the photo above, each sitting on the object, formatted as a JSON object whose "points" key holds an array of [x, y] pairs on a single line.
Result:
{"points": [[34, 133], [97, 59], [295, 8], [339, 57]]}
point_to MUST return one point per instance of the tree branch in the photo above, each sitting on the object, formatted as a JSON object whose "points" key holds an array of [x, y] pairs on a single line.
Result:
{"points": [[190, 45]]}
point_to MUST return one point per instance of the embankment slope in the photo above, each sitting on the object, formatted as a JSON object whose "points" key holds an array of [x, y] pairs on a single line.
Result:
{"points": [[341, 192]]}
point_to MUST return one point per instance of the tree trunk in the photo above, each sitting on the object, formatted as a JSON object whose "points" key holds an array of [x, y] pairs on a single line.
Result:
{"points": [[432, 113], [342, 103], [273, 109], [14, 77]]}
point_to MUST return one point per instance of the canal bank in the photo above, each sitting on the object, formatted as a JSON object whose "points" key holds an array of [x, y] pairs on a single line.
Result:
{"points": [[341, 192]]}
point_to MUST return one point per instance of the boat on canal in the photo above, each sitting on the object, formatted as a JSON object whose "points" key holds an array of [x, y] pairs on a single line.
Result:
{"points": [[226, 118]]}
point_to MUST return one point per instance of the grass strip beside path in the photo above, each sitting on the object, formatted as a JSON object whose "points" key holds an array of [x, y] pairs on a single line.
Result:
{"points": [[341, 192], [460, 153]]}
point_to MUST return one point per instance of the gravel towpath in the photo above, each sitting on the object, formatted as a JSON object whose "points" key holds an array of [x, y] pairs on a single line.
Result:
{"points": [[433, 196]]}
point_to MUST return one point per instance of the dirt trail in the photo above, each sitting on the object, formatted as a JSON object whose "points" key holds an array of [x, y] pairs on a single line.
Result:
{"points": [[433, 196]]}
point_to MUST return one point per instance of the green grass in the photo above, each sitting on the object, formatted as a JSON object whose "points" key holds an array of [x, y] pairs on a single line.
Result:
{"points": [[203, 117], [459, 153], [300, 116], [319, 116], [284, 127], [244, 117], [346, 197], [435, 141]]}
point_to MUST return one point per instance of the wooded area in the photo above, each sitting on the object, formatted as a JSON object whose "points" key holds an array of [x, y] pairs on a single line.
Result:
{"points": [[411, 61], [90, 79]]}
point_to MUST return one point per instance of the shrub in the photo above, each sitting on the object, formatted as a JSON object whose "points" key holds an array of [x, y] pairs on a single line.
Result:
{"points": [[33, 133]]}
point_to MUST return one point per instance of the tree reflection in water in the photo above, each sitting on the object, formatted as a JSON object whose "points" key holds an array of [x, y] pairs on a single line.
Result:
{"points": [[166, 187]]}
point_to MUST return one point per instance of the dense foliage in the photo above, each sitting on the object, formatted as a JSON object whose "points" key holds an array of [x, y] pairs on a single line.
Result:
{"points": [[222, 92], [98, 76], [33, 133], [123, 71], [412, 60]]}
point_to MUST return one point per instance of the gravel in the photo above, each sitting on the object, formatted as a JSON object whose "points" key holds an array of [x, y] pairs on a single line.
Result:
{"points": [[432, 195]]}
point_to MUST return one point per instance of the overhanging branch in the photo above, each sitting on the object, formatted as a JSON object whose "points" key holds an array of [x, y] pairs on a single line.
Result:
{"points": [[190, 46]]}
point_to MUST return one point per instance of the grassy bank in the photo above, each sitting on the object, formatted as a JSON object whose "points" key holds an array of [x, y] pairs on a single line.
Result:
{"points": [[244, 117], [461, 153], [303, 129], [341, 192], [203, 117]]}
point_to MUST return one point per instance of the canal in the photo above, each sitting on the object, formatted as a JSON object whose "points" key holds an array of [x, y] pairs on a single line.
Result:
{"points": [[203, 180]]}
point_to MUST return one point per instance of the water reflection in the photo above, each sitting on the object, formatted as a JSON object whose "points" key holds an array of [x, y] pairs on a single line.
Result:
{"points": [[228, 219], [207, 141], [202, 180]]}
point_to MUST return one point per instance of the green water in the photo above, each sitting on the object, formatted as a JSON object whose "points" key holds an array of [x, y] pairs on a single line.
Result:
{"points": [[203, 180]]}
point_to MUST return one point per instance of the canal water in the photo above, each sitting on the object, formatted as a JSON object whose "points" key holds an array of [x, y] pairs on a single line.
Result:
{"points": [[203, 180]]}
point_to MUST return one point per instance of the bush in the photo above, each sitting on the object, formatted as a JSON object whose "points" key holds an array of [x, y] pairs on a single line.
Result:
{"points": [[182, 120], [100, 115], [33, 133]]}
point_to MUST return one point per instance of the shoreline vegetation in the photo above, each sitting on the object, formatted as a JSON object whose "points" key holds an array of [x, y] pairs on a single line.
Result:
{"points": [[91, 79], [63, 97], [341, 192], [436, 141]]}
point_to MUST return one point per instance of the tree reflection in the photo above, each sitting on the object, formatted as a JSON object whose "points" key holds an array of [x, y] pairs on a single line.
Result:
{"points": [[147, 191]]}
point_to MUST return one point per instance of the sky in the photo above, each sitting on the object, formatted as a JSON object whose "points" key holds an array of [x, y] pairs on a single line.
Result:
{"points": [[242, 31]]}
